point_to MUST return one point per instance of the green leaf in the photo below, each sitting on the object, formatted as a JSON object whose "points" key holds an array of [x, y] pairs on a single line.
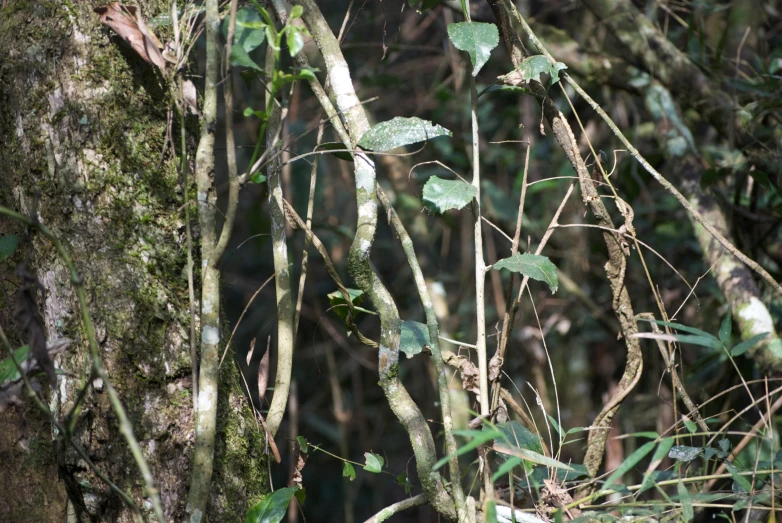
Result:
{"points": [[306, 73], [629, 463], [684, 328], [401, 479], [479, 437], [340, 151], [8, 243], [296, 12], [686, 501], [272, 507], [258, 177], [536, 267], [8, 370], [745, 345], [443, 195], [692, 428], [520, 436], [294, 39], [340, 305], [506, 467], [240, 58], [704, 341], [725, 328], [374, 462], [490, 516], [413, 338], [399, 132], [738, 479], [659, 455], [533, 457], [555, 424], [684, 453], [303, 444], [476, 39], [249, 31], [531, 68], [348, 471]]}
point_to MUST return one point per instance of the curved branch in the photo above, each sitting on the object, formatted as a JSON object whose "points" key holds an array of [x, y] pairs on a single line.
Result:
{"points": [[356, 123]]}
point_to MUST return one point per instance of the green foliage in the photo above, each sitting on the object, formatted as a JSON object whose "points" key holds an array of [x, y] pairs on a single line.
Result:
{"points": [[8, 370], [531, 69], [8, 243], [443, 195], [303, 444], [340, 306], [535, 266], [399, 132], [413, 338], [374, 462], [348, 471], [704, 339], [404, 481], [272, 507], [476, 39]]}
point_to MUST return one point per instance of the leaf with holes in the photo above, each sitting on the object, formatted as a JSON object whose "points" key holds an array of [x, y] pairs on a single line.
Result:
{"points": [[443, 195], [272, 507], [374, 463], [399, 132], [536, 267], [413, 338], [348, 471], [531, 69], [684, 453], [476, 39]]}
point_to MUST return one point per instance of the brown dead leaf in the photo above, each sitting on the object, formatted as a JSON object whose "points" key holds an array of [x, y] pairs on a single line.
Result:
{"points": [[250, 353], [263, 372], [301, 459], [190, 96], [126, 21]]}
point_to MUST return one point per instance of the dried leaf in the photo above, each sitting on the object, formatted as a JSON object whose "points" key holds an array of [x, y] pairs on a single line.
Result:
{"points": [[263, 372], [30, 322], [130, 26], [190, 96], [250, 353], [301, 459]]}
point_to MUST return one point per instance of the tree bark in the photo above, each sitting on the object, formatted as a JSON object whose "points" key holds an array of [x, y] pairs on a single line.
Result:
{"points": [[83, 127]]}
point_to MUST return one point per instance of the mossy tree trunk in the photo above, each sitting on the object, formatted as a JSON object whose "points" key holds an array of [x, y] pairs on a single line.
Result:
{"points": [[83, 127]]}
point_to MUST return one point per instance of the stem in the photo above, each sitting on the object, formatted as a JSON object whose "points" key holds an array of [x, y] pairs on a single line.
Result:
{"points": [[390, 510], [480, 264], [206, 420], [439, 366], [285, 345]]}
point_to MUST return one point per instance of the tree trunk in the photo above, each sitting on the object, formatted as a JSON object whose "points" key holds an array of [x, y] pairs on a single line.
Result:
{"points": [[83, 125]]}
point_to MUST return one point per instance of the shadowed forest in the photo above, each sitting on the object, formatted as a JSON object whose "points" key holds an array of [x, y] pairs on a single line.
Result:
{"points": [[420, 260]]}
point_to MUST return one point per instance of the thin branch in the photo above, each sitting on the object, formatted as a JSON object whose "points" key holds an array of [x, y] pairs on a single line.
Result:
{"points": [[206, 420]]}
